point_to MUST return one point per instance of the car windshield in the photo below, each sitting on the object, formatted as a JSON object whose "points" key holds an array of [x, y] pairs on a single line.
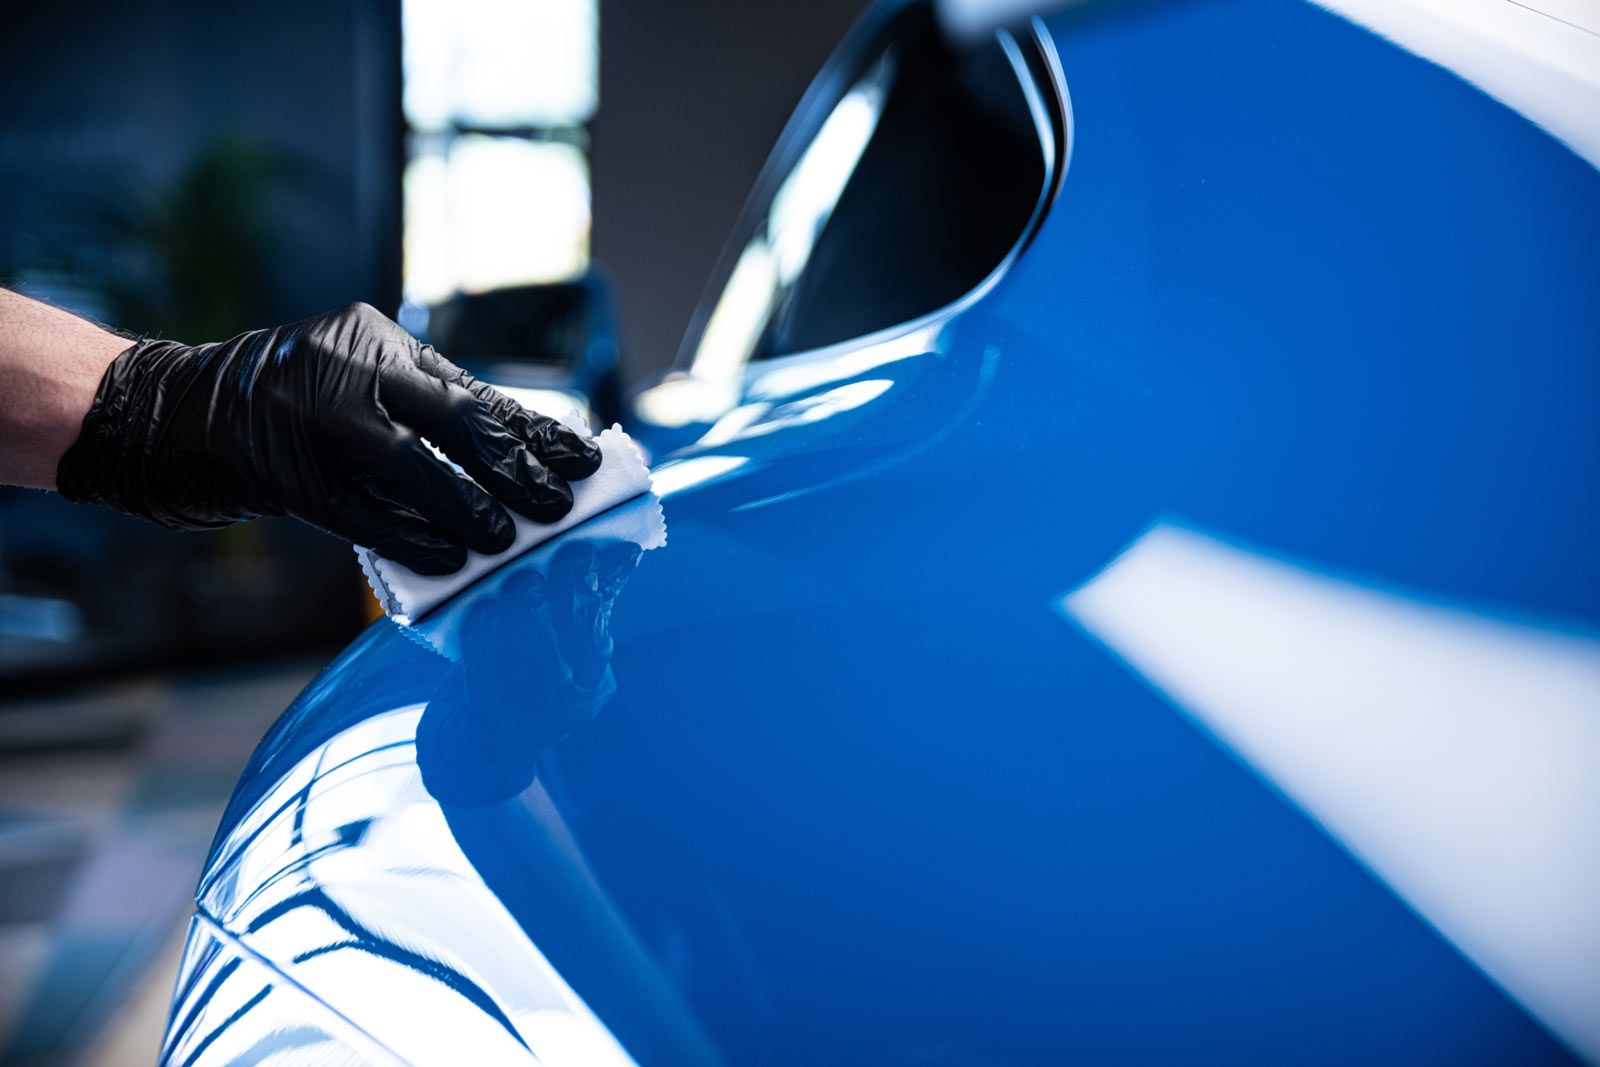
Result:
{"points": [[911, 189]]}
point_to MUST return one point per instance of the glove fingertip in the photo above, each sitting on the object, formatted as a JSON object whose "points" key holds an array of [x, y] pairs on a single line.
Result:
{"points": [[433, 562], [498, 532], [548, 497], [570, 454]]}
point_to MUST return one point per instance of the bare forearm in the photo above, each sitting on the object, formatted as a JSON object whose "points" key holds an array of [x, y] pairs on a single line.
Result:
{"points": [[51, 364]]}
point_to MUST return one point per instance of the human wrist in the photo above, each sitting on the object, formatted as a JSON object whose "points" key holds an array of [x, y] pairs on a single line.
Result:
{"points": [[51, 366]]}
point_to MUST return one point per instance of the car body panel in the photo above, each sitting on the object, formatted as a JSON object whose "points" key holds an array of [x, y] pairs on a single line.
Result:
{"points": [[881, 781]]}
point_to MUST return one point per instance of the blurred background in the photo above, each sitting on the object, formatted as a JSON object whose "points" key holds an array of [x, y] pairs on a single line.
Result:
{"points": [[545, 182]]}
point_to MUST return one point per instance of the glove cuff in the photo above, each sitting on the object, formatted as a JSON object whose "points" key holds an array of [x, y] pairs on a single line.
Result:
{"points": [[108, 463]]}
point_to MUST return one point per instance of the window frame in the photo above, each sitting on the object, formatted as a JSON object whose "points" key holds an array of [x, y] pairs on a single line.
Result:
{"points": [[1038, 69]]}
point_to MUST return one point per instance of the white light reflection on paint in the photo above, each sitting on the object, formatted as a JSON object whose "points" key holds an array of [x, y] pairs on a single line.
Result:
{"points": [[852, 363], [681, 474], [755, 420], [1540, 57], [371, 908], [680, 400], [1456, 755]]}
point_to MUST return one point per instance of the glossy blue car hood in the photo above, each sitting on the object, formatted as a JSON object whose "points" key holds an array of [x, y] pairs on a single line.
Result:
{"points": [[1055, 685]]}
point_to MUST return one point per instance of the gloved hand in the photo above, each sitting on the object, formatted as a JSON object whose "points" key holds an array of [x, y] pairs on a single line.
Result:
{"points": [[323, 420]]}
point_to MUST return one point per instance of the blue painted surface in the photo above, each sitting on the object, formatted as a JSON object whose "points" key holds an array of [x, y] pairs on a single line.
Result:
{"points": [[860, 795]]}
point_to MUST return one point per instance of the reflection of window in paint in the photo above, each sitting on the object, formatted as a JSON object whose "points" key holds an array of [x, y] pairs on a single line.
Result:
{"points": [[497, 95], [345, 896], [1455, 754]]}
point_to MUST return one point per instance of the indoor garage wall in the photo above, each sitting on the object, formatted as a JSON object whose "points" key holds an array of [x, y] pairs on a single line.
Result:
{"points": [[692, 96]]}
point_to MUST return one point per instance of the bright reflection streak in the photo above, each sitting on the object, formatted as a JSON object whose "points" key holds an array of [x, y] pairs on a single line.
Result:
{"points": [[800, 377], [754, 420], [1541, 57], [1456, 755], [372, 907], [806, 199], [564, 1041], [696, 470], [741, 313], [778, 251], [433, 1027], [241, 1012], [679, 401], [735, 423]]}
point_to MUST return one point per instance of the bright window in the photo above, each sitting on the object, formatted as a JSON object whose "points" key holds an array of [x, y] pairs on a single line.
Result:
{"points": [[497, 95]]}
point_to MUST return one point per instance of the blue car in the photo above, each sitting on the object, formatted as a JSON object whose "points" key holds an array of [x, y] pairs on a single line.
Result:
{"points": [[1130, 595]]}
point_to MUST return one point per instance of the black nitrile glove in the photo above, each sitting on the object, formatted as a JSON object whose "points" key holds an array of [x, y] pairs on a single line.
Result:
{"points": [[323, 420]]}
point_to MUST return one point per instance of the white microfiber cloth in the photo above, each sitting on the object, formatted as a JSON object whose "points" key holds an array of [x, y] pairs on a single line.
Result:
{"points": [[638, 521], [407, 595]]}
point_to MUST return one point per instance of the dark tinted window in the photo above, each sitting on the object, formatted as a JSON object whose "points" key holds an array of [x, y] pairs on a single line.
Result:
{"points": [[907, 194]]}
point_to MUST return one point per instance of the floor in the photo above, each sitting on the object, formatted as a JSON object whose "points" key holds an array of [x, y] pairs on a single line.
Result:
{"points": [[109, 796]]}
